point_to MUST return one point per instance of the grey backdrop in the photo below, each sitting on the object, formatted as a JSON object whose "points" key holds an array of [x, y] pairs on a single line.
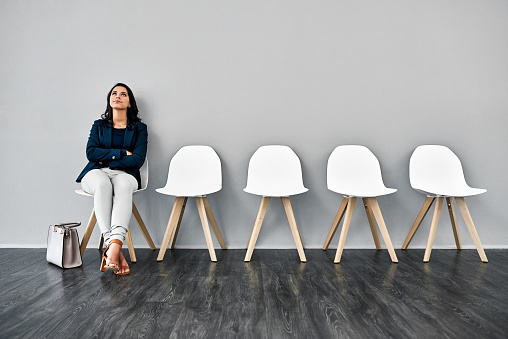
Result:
{"points": [[235, 75]]}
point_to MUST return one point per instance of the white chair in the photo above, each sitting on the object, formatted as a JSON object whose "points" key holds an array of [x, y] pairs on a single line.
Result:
{"points": [[275, 171], [194, 171], [437, 172], [93, 220], [354, 172]]}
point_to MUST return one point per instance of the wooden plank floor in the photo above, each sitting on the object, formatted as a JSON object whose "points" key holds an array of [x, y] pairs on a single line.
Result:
{"points": [[455, 295]]}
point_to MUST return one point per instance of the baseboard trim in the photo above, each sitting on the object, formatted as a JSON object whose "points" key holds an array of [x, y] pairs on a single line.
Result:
{"points": [[196, 247]]}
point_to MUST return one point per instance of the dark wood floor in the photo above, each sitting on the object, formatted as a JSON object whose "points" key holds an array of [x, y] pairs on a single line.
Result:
{"points": [[273, 296]]}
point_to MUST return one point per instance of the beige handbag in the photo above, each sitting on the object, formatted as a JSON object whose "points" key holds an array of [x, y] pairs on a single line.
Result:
{"points": [[63, 245]]}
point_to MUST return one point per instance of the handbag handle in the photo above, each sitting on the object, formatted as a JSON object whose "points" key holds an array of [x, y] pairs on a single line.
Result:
{"points": [[68, 224]]}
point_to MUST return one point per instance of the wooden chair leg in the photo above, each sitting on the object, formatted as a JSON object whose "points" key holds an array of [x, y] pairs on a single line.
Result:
{"points": [[250, 237], [142, 226], [336, 222], [453, 219], [423, 211], [433, 227], [173, 218], [372, 224], [294, 227], [88, 232], [177, 228], [299, 236], [470, 226], [374, 206], [130, 245], [345, 228], [101, 242], [206, 229], [257, 227], [213, 222]]}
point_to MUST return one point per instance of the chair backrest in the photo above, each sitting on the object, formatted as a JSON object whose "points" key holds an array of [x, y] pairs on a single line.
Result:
{"points": [[352, 169], [434, 169], [194, 171], [143, 171], [275, 171]]}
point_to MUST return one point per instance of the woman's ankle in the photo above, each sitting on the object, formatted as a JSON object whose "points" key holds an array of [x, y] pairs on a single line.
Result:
{"points": [[115, 245], [113, 252]]}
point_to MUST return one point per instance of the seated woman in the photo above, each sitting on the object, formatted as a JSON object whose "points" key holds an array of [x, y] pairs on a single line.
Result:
{"points": [[116, 150]]}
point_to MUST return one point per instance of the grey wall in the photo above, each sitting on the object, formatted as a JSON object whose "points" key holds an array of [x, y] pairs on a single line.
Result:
{"points": [[235, 75]]}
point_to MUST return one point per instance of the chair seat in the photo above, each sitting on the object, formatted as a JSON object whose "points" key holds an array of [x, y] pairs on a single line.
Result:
{"points": [[267, 192], [185, 192], [452, 192], [81, 192], [367, 192]]}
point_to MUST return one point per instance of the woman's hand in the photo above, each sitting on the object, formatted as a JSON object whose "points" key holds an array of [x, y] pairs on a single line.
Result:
{"points": [[128, 153]]}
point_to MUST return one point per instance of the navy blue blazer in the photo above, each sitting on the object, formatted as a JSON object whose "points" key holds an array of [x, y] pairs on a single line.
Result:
{"points": [[100, 154]]}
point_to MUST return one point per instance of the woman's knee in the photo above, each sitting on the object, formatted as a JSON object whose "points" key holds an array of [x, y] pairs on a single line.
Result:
{"points": [[104, 185], [125, 183], [97, 182]]}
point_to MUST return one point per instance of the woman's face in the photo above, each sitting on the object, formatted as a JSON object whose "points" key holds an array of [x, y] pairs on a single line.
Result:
{"points": [[119, 98]]}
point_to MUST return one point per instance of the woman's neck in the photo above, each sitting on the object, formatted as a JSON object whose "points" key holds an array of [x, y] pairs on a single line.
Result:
{"points": [[119, 118]]}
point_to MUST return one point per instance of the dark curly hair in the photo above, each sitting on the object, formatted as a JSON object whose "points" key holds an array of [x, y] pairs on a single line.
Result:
{"points": [[132, 111]]}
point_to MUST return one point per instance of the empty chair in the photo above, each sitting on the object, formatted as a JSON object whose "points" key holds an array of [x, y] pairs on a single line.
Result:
{"points": [[275, 171], [437, 172], [194, 171], [354, 172], [143, 171]]}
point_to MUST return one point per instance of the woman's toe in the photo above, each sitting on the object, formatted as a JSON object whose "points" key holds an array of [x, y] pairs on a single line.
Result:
{"points": [[112, 265]]}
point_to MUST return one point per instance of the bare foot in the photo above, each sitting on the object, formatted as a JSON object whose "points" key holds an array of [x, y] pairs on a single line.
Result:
{"points": [[113, 256], [124, 266]]}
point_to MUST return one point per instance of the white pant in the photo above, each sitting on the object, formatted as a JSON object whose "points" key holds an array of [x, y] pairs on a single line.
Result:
{"points": [[112, 193]]}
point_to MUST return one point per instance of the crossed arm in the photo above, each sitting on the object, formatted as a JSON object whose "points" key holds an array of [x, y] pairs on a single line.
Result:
{"points": [[113, 157]]}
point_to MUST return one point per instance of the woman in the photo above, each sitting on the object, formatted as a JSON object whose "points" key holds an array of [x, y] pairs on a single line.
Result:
{"points": [[116, 150]]}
